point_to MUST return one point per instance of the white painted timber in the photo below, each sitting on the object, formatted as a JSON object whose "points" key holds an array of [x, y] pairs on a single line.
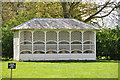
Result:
{"points": [[58, 45]]}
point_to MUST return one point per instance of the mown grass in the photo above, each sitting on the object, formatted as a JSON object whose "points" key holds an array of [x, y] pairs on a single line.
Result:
{"points": [[63, 69]]}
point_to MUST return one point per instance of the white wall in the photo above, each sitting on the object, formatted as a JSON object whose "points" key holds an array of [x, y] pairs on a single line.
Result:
{"points": [[16, 45], [83, 37]]}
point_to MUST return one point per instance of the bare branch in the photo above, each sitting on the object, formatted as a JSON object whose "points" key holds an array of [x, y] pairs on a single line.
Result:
{"points": [[92, 16], [104, 15], [116, 6]]}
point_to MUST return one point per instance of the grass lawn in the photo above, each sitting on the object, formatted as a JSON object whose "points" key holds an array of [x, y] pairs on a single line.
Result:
{"points": [[79, 69]]}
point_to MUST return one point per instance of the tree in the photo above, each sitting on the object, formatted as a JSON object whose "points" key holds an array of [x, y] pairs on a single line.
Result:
{"points": [[108, 43], [15, 13], [7, 42], [88, 12], [84, 11], [30, 10]]}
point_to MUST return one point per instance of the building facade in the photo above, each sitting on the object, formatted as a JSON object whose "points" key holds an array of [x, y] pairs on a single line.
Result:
{"points": [[54, 39]]}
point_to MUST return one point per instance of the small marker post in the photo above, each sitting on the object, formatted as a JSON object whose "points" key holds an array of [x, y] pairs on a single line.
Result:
{"points": [[11, 66], [11, 75]]}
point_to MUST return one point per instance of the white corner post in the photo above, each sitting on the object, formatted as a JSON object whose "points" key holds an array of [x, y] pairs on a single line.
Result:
{"points": [[18, 47], [45, 40], [14, 45], [70, 42], [32, 32], [57, 42], [95, 44], [82, 44]]}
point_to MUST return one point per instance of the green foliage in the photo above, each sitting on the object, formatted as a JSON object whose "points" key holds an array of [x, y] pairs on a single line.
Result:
{"points": [[108, 43], [77, 10], [7, 42], [27, 10], [103, 57]]}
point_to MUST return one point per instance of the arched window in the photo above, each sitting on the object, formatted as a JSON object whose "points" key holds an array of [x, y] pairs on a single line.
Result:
{"points": [[63, 36], [38, 36], [25, 36], [51, 36], [76, 35]]}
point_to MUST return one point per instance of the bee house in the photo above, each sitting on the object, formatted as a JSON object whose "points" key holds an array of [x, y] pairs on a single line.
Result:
{"points": [[54, 39]]}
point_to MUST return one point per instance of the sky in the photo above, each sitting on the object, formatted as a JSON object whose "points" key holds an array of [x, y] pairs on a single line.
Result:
{"points": [[111, 20]]}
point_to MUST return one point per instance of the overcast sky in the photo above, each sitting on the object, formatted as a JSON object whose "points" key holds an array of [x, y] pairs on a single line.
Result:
{"points": [[112, 19]]}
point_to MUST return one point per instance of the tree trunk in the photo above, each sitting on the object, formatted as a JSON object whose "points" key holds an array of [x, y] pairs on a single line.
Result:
{"points": [[64, 9]]}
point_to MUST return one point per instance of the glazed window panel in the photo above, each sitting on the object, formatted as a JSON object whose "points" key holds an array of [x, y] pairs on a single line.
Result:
{"points": [[51, 35], [88, 35], [76, 35], [25, 36], [63, 36], [38, 36]]}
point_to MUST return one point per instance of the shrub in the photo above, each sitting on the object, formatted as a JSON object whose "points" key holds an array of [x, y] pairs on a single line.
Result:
{"points": [[7, 42], [108, 43]]}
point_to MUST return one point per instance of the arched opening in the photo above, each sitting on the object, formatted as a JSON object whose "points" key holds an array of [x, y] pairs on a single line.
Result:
{"points": [[88, 51], [51, 52], [51, 36], [25, 36], [63, 36], [76, 35], [38, 36], [39, 52], [88, 35], [88, 42], [63, 51], [26, 52], [76, 51]]}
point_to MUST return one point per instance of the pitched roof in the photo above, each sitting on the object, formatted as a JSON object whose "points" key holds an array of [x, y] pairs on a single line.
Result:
{"points": [[54, 23]]}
